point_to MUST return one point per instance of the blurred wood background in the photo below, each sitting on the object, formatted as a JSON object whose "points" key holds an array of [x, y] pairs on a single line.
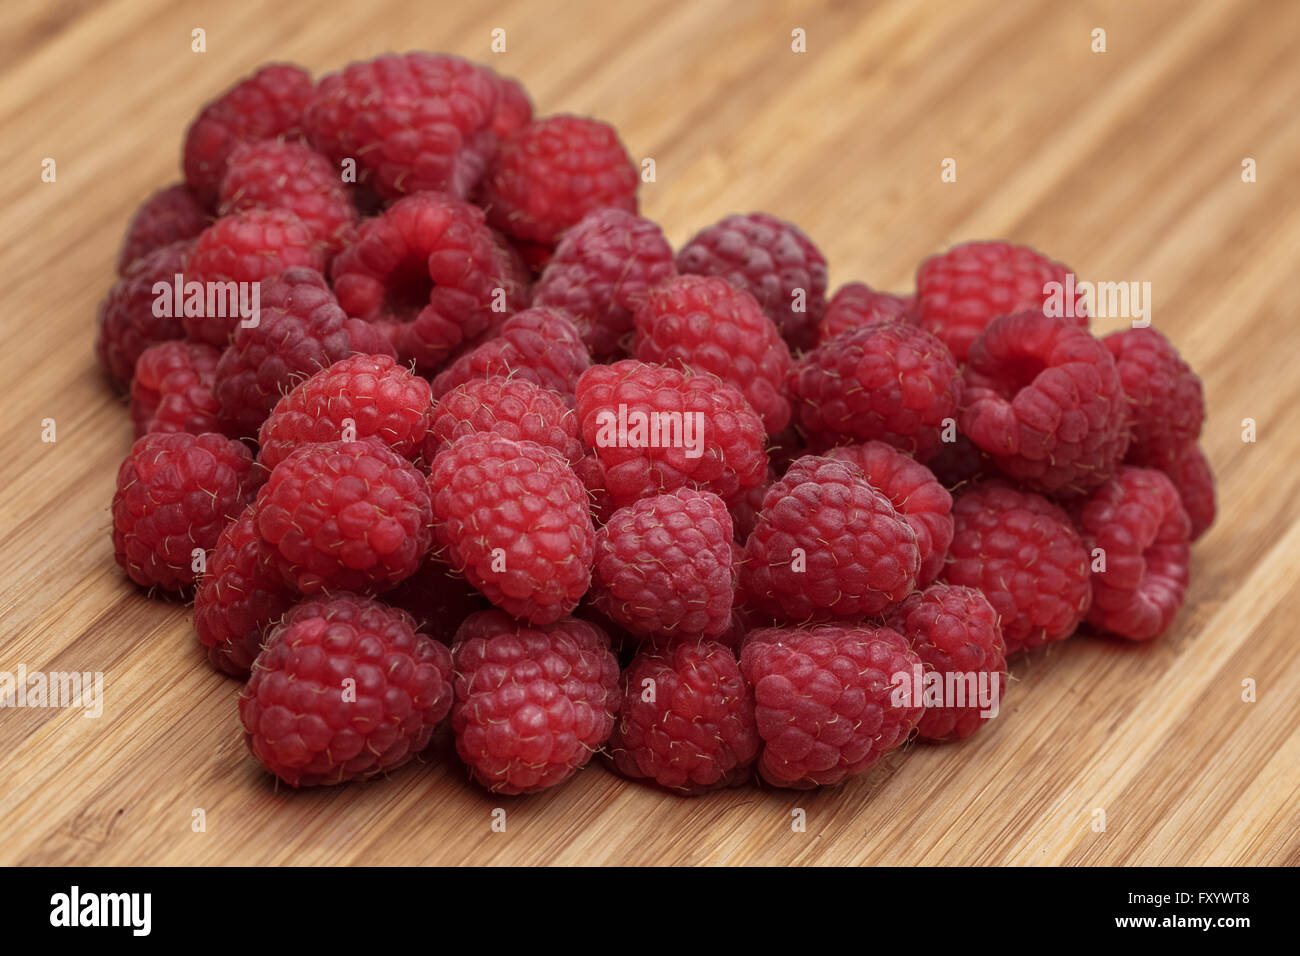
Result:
{"points": [[1126, 164]]}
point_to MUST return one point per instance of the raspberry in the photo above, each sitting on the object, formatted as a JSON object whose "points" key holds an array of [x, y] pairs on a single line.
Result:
{"points": [[532, 703], [823, 700], [856, 305], [744, 506], [1191, 475], [541, 346], [663, 566], [437, 598], [126, 321], [169, 215], [770, 259], [429, 270], [412, 122], [267, 104], [301, 329], [959, 292], [708, 325], [1137, 521], [887, 381], [960, 462], [175, 494], [656, 429], [239, 597], [1164, 395], [172, 389], [1044, 399], [601, 271], [514, 110], [1022, 551], [592, 475], [827, 544], [955, 633], [345, 516], [246, 247], [344, 690], [363, 397], [514, 520], [553, 172], [696, 733], [274, 174], [513, 408], [914, 492]]}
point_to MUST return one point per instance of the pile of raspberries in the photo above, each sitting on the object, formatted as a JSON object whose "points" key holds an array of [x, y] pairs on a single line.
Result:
{"points": [[491, 450]]}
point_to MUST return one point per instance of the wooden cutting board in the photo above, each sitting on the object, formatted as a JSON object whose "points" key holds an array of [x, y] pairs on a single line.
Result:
{"points": [[1126, 164]]}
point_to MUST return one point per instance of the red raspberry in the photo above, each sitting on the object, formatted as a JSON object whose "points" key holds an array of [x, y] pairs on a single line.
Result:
{"points": [[722, 453], [770, 259], [532, 703], [514, 110], [429, 270], [601, 271], [267, 104], [541, 346], [239, 596], [169, 215], [345, 516], [172, 389], [344, 690], [1194, 480], [695, 732], [553, 172], [1022, 551], [827, 544], [856, 305], [175, 493], [955, 633], [592, 475], [888, 381], [301, 329], [438, 599], [663, 566], [1164, 394], [363, 397], [1137, 521], [1044, 399], [514, 520], [914, 492], [959, 292], [246, 247], [513, 408], [126, 320], [744, 506], [412, 122], [274, 174], [708, 325], [824, 700]]}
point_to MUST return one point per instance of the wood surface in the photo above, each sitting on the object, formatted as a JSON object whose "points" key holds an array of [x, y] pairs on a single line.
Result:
{"points": [[1125, 164]]}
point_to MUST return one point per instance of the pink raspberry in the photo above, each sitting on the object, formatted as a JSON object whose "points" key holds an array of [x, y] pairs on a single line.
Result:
{"points": [[1190, 472], [824, 700], [708, 325], [601, 272], [663, 566], [855, 305], [773, 261], [540, 345], [656, 429], [172, 389], [888, 381], [956, 634], [1044, 399], [168, 216], [126, 321], [1137, 521], [532, 703], [514, 520], [514, 408], [1164, 394], [687, 719], [345, 516], [363, 397], [914, 492], [827, 544]]}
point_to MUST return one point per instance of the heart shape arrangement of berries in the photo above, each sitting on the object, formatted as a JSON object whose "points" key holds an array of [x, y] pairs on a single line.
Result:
{"points": [[430, 422]]}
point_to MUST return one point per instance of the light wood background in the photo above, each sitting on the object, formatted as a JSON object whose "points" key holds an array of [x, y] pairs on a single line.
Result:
{"points": [[1127, 165]]}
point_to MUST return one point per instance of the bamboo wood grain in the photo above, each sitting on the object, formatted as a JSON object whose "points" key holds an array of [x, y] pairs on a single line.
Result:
{"points": [[1124, 164]]}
